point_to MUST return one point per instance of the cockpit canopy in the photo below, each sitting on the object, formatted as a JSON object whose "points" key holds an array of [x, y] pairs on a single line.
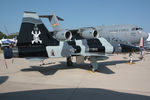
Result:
{"points": [[136, 28]]}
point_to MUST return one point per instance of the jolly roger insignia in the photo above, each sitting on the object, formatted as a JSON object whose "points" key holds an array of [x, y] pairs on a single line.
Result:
{"points": [[36, 34]]}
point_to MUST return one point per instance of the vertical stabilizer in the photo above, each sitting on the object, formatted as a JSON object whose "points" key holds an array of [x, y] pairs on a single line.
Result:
{"points": [[34, 32], [34, 37]]}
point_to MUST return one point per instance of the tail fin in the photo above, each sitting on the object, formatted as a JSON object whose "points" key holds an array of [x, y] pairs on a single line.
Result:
{"points": [[33, 38], [54, 21], [33, 32]]}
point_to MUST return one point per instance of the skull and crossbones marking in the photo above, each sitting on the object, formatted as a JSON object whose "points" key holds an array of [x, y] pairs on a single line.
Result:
{"points": [[36, 34]]}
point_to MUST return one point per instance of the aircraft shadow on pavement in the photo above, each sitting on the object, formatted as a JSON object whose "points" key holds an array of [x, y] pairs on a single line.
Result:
{"points": [[3, 79], [50, 70], [72, 94], [103, 66]]}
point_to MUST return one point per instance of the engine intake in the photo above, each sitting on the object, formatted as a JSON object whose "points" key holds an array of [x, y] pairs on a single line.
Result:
{"points": [[89, 33], [63, 35], [10, 52]]}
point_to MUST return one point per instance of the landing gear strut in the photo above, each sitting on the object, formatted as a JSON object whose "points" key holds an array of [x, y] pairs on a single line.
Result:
{"points": [[94, 63], [42, 62], [69, 61]]}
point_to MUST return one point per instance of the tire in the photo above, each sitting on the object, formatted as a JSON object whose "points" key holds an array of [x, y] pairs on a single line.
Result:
{"points": [[69, 61]]}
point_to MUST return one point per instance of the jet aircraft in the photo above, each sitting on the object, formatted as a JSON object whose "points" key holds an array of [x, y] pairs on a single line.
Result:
{"points": [[35, 42]]}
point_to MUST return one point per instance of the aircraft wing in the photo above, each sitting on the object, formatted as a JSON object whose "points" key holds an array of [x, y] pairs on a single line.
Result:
{"points": [[129, 48], [73, 31], [95, 55], [81, 33], [88, 54]]}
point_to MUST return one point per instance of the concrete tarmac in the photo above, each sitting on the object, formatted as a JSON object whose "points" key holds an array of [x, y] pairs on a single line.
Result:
{"points": [[21, 79]]}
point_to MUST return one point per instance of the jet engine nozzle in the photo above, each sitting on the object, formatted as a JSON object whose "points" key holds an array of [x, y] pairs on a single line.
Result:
{"points": [[8, 53]]}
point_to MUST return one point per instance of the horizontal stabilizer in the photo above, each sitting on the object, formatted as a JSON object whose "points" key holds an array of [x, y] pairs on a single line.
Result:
{"points": [[54, 21], [50, 17]]}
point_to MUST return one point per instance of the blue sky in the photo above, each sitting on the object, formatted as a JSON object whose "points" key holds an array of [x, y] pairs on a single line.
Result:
{"points": [[77, 13]]}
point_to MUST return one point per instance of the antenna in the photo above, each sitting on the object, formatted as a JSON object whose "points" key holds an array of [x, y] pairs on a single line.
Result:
{"points": [[7, 33]]}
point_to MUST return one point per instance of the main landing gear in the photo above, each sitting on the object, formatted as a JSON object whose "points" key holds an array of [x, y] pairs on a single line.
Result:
{"points": [[94, 63], [69, 61]]}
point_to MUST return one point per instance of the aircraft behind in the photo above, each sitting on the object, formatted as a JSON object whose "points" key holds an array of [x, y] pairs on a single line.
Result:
{"points": [[7, 42], [123, 33], [115, 34]]}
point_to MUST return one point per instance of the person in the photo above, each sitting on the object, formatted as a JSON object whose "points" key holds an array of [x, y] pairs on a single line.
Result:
{"points": [[131, 57], [142, 54]]}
